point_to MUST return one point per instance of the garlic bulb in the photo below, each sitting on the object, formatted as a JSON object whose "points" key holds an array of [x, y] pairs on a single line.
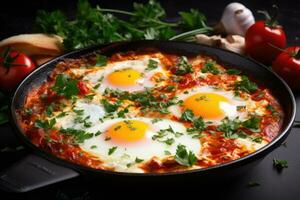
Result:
{"points": [[235, 43], [236, 19]]}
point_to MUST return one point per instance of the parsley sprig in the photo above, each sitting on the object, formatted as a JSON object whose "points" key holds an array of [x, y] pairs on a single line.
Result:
{"points": [[184, 157]]}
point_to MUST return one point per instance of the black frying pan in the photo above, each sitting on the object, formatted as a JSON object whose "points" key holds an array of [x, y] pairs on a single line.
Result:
{"points": [[41, 168]]}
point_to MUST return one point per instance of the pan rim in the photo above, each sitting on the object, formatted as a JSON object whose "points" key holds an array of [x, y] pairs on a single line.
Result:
{"points": [[246, 159]]}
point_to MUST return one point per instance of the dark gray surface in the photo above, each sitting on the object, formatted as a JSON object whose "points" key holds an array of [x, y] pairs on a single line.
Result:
{"points": [[273, 185]]}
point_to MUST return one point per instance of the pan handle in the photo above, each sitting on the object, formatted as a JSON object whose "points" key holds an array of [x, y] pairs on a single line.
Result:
{"points": [[33, 172]]}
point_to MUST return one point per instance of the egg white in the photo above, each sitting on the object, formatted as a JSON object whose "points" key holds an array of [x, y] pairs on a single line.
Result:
{"points": [[140, 65], [123, 159], [229, 109]]}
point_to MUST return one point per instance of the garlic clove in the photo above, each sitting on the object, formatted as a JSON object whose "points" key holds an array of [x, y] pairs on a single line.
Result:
{"points": [[236, 19]]}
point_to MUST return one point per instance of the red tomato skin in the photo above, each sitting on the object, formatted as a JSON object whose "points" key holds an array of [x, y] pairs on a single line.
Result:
{"points": [[288, 67], [10, 78], [258, 39], [83, 89]]}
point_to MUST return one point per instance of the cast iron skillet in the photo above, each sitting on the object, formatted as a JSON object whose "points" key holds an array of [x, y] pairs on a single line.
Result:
{"points": [[41, 168]]}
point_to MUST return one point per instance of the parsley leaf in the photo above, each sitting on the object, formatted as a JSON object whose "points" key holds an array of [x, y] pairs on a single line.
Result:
{"points": [[46, 124], [110, 107], [78, 135], [233, 71], [209, 66], [112, 150], [101, 60], [245, 85], [253, 124], [193, 19], [280, 164], [187, 115], [183, 157], [229, 127], [183, 67], [64, 85], [153, 64]]}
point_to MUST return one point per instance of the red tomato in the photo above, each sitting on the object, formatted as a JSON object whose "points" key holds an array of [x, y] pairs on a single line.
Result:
{"points": [[287, 65], [14, 67], [83, 89], [260, 40]]}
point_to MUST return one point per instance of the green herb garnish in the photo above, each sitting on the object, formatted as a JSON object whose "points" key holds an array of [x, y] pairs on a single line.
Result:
{"points": [[153, 64], [280, 164], [101, 60], [183, 157], [112, 150], [245, 85], [183, 67], [210, 66], [65, 86]]}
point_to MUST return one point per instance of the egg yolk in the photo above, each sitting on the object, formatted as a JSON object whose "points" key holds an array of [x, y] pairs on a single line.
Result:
{"points": [[124, 77], [128, 131], [206, 105]]}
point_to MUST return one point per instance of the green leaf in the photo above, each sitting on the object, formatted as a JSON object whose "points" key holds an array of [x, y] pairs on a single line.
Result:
{"points": [[233, 71], [209, 66], [137, 160], [66, 86], [253, 124], [183, 157], [153, 64], [229, 127], [101, 60], [280, 164], [112, 150], [193, 19], [79, 135], [110, 107], [187, 115], [183, 67], [245, 85]]}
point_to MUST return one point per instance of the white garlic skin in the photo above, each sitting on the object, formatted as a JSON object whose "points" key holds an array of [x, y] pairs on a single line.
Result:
{"points": [[236, 19]]}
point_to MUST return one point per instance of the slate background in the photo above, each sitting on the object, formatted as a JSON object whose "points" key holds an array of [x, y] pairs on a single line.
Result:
{"points": [[17, 17]]}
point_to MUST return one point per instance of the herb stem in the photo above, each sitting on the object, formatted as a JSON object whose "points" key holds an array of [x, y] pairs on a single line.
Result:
{"points": [[188, 34], [132, 14]]}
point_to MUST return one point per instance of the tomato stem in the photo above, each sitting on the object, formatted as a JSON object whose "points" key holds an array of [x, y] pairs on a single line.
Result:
{"points": [[297, 54], [271, 20]]}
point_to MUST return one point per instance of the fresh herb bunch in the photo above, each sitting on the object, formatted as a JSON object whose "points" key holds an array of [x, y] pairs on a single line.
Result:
{"points": [[98, 26]]}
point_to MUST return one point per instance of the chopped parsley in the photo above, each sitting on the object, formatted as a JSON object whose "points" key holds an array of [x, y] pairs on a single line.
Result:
{"points": [[62, 114], [198, 124], [210, 66], [153, 64], [46, 124], [110, 107], [49, 110], [93, 147], [245, 85], [272, 110], [155, 120], [101, 60], [112, 150], [183, 157], [183, 67], [167, 152], [253, 123], [233, 71], [229, 127], [280, 164], [137, 160], [65, 86], [78, 135]]}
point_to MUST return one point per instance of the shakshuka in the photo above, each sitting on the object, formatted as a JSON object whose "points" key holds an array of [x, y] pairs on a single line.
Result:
{"points": [[149, 112]]}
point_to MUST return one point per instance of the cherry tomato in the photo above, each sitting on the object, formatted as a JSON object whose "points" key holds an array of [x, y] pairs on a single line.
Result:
{"points": [[83, 89], [263, 41], [14, 67], [287, 65]]}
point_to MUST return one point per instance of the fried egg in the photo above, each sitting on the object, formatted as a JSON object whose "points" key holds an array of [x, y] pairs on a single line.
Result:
{"points": [[209, 103], [129, 75], [122, 142]]}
